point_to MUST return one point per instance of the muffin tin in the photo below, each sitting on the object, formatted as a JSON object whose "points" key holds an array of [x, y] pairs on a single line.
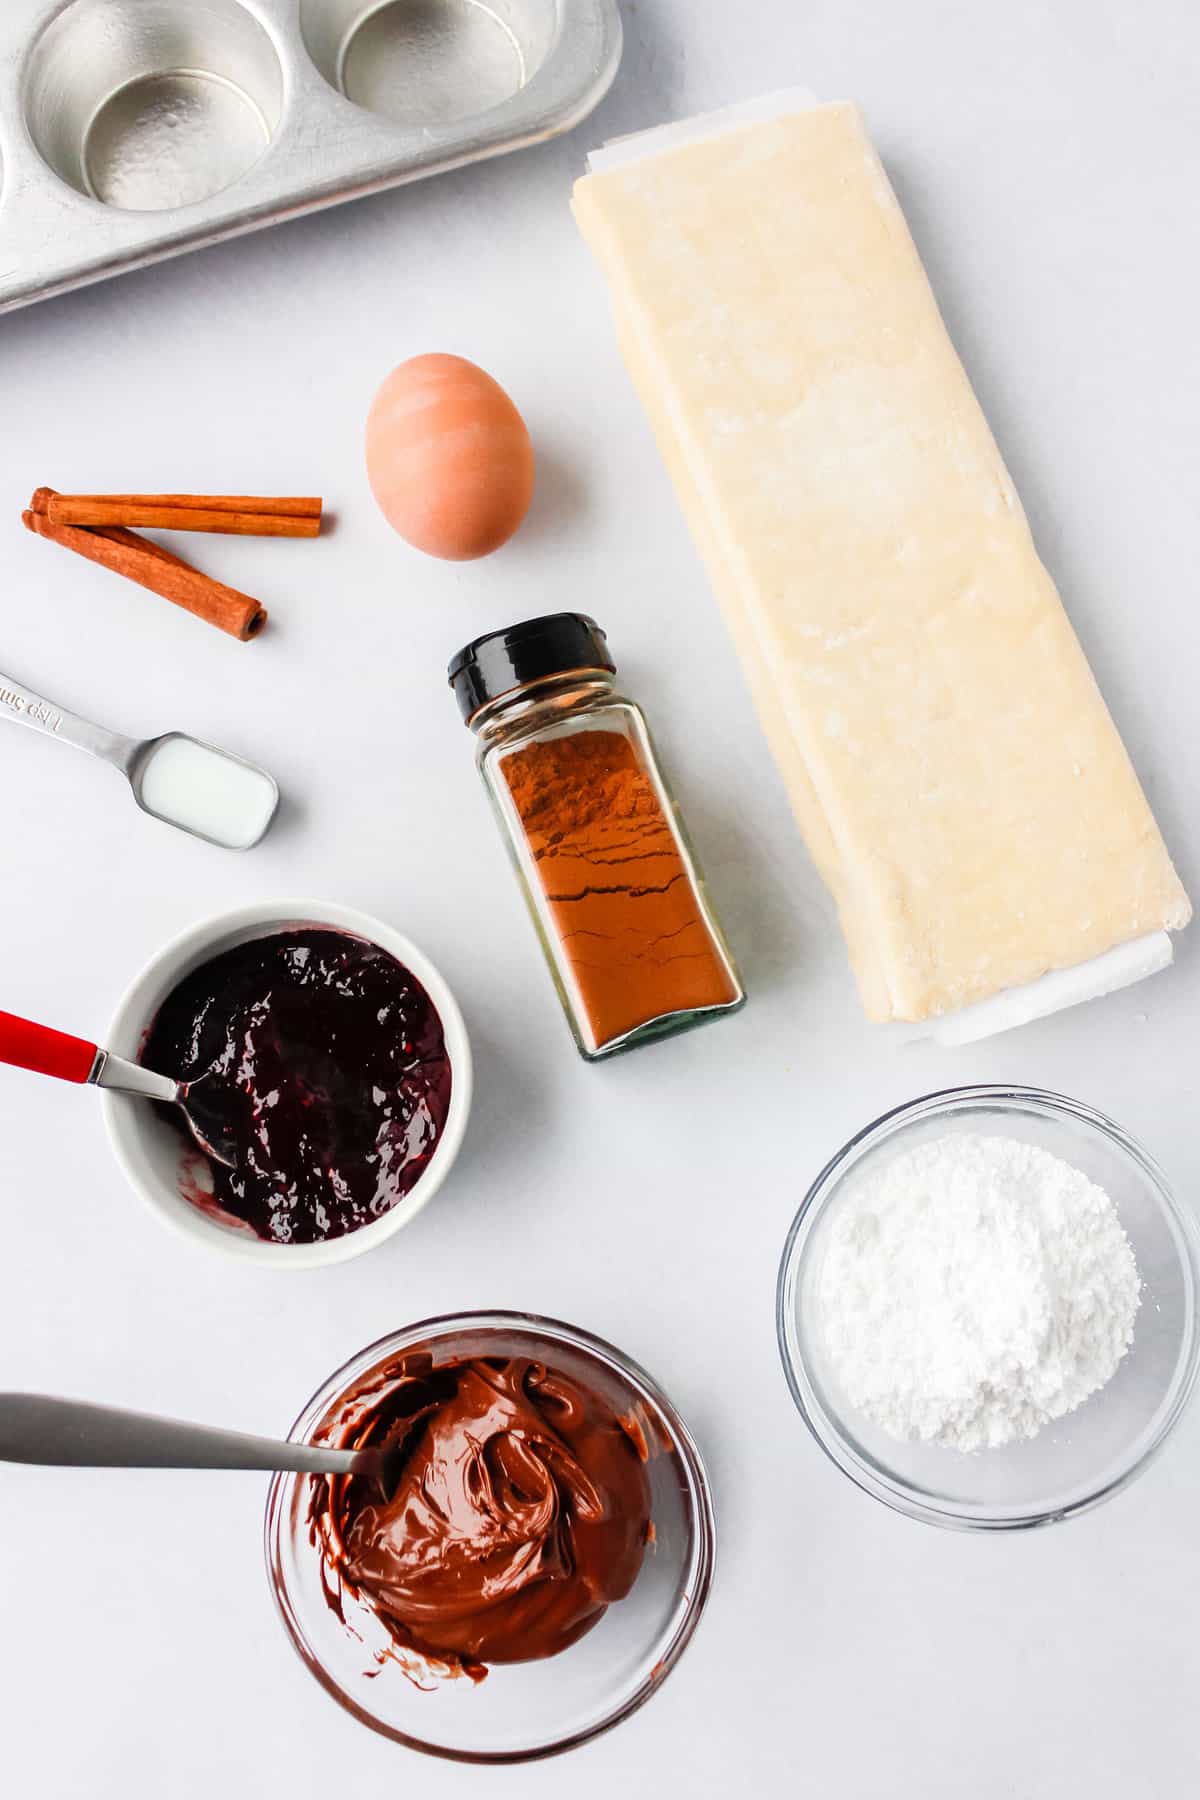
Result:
{"points": [[136, 129]]}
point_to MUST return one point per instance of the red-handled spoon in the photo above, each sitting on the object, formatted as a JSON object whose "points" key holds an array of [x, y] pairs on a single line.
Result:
{"points": [[203, 1103]]}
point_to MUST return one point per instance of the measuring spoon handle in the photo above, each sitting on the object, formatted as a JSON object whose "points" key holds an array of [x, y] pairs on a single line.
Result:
{"points": [[25, 707], [38, 1428]]}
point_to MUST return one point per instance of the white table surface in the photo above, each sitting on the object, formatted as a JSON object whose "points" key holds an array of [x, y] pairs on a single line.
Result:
{"points": [[1047, 158]]}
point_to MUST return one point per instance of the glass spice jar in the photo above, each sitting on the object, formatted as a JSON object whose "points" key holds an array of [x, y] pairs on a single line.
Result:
{"points": [[607, 871]]}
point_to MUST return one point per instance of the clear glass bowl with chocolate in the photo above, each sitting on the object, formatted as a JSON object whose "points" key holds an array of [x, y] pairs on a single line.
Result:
{"points": [[537, 1560]]}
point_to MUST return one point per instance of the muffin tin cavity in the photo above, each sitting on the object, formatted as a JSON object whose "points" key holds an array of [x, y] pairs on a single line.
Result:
{"points": [[428, 62], [153, 106]]}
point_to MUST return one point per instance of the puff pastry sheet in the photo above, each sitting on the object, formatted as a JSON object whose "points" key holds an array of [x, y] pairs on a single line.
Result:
{"points": [[949, 757]]}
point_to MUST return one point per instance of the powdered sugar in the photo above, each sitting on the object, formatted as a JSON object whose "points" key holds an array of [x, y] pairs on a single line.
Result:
{"points": [[973, 1289]]}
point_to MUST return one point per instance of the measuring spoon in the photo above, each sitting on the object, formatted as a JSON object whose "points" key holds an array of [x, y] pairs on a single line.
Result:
{"points": [[179, 779]]}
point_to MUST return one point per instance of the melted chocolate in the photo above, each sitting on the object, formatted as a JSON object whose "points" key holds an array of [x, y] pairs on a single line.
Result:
{"points": [[335, 1071], [521, 1513]]}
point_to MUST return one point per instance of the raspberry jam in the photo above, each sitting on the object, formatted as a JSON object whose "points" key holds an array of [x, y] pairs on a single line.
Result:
{"points": [[335, 1074]]}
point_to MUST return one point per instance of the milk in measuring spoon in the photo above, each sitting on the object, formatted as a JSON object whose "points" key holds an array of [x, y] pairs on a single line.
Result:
{"points": [[195, 786]]}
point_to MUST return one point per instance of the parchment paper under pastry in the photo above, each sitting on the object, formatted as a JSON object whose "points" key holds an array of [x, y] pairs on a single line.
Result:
{"points": [[949, 757]]}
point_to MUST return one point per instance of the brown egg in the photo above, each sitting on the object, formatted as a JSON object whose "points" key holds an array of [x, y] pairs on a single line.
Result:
{"points": [[449, 458]]}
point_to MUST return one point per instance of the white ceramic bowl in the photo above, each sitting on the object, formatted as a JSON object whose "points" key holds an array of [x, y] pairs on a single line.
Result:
{"points": [[148, 1149]]}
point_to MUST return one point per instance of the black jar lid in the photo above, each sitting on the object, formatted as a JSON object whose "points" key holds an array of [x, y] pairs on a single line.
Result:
{"points": [[503, 660]]}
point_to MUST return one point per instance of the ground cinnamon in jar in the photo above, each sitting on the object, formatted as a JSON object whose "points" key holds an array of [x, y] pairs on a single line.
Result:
{"points": [[618, 891], [610, 879]]}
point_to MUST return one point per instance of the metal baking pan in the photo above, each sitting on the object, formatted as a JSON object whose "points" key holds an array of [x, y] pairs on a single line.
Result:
{"points": [[135, 129]]}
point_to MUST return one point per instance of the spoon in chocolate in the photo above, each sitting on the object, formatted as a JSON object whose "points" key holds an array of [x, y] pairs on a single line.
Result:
{"points": [[38, 1428], [204, 1103]]}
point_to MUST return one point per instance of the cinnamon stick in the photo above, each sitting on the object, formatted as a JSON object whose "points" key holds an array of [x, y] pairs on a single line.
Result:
{"points": [[125, 553], [300, 506], [116, 534], [232, 514]]}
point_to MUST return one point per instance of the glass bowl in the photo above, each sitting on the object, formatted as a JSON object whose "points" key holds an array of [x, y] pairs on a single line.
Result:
{"points": [[522, 1710], [1074, 1462]]}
